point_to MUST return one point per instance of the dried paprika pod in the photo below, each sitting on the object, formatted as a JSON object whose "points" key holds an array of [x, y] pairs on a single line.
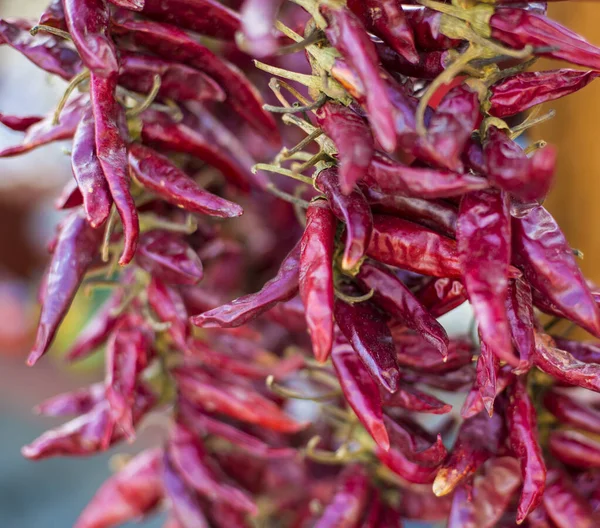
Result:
{"points": [[78, 402], [571, 412], [574, 449], [19, 123], [565, 506]]}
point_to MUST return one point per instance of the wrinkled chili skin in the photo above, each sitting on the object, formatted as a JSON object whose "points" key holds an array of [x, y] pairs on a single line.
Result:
{"points": [[519, 309], [571, 412], [564, 504], [316, 277], [425, 24], [574, 449], [522, 430]]}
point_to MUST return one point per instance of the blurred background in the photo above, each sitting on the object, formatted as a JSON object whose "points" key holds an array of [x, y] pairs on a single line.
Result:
{"points": [[52, 493]]}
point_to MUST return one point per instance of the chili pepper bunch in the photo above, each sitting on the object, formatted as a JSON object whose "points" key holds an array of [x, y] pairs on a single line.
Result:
{"points": [[401, 194]]}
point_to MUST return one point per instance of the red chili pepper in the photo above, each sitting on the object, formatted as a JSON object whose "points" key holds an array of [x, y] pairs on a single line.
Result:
{"points": [[414, 352], [366, 330], [375, 512], [177, 81], [585, 351], [353, 140], [128, 495], [112, 155], [542, 252], [571, 412], [70, 197], [484, 248], [434, 214], [88, 23], [425, 25], [134, 5], [508, 167], [574, 449], [185, 503], [78, 402], [460, 380], [565, 506], [386, 19], [521, 318], [392, 176], [412, 399], [204, 425], [520, 92], [409, 246], [234, 401], [348, 36], [347, 506], [522, 431], [175, 45], [88, 172], [474, 402], [439, 296], [353, 210], [202, 140], [414, 446], [487, 369], [240, 311], [518, 28], [54, 16], [46, 51], [18, 123], [189, 459], [360, 390], [398, 301], [76, 248], [169, 307], [479, 439], [258, 20], [316, 277], [430, 63], [409, 471], [45, 131]]}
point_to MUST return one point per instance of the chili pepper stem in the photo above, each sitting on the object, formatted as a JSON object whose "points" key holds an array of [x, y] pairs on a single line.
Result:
{"points": [[76, 81], [284, 392], [149, 221], [353, 300], [535, 146], [49, 29], [147, 102], [108, 230], [315, 37], [530, 122], [282, 171], [287, 197], [295, 108]]}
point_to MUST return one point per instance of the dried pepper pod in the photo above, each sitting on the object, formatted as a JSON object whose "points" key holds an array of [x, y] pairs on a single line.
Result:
{"points": [[413, 445], [54, 16], [429, 64], [258, 20], [411, 399], [426, 27], [170, 308], [474, 402], [487, 369], [19, 123], [519, 309], [439, 296], [565, 506], [80, 401], [574, 449], [415, 352], [585, 351], [571, 412]]}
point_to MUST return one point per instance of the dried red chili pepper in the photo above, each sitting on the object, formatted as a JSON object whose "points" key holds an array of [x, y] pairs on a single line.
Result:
{"points": [[425, 25], [386, 19], [574, 449], [353, 140], [571, 412], [392, 176], [88, 172], [519, 309], [244, 309], [78, 402], [430, 63], [134, 5], [316, 277], [112, 155], [407, 397], [522, 431], [585, 351], [397, 300], [565, 506], [414, 352], [54, 16], [409, 246], [18, 123], [520, 92], [439, 296], [175, 45], [88, 23], [128, 495], [409, 471], [484, 249], [366, 330], [542, 252], [345, 33], [170, 308], [353, 210], [474, 402], [350, 500], [69, 197], [76, 248], [258, 19], [360, 390], [46, 51], [508, 167], [487, 369]]}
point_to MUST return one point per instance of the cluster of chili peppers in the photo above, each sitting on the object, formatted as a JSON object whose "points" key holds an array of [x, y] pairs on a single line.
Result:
{"points": [[318, 400]]}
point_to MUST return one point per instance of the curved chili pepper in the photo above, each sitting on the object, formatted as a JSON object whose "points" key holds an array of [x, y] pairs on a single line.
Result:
{"points": [[69, 197], [487, 372], [542, 252], [88, 23], [415, 447], [425, 25], [46, 51], [508, 167], [78, 402], [439, 296], [76, 248], [571, 412], [434, 214], [522, 432], [585, 351], [386, 19], [128, 495], [565, 506], [392, 176], [347, 506], [409, 471], [409, 246], [168, 305], [175, 45], [353, 210], [189, 459], [203, 141], [519, 309], [112, 155], [415, 400], [18, 123], [360, 390], [54, 16], [352, 139], [315, 278], [574, 449], [474, 402], [414, 352], [460, 380], [479, 439], [88, 172], [484, 249], [345, 33], [520, 92], [366, 330], [235, 401], [258, 20], [397, 300], [177, 81], [244, 309]]}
